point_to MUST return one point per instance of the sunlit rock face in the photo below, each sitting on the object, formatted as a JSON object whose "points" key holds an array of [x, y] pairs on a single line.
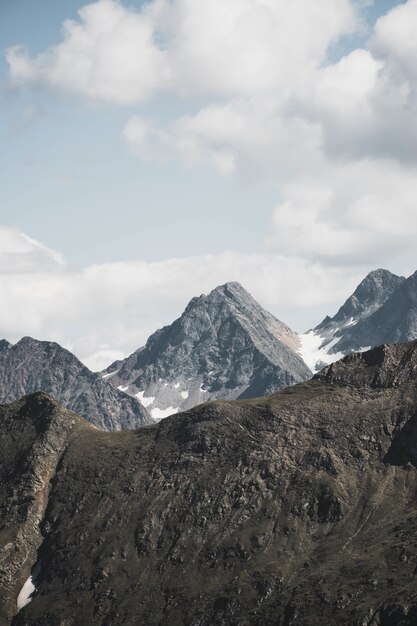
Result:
{"points": [[224, 346]]}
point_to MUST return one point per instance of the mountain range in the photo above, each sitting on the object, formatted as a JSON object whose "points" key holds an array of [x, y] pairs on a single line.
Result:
{"points": [[298, 509], [32, 365], [223, 346], [383, 309]]}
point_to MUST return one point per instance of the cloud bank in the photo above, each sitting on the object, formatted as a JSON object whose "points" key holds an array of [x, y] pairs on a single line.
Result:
{"points": [[262, 92], [103, 312], [338, 139]]}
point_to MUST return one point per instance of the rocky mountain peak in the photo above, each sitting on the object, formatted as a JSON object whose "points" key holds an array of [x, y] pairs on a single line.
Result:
{"points": [[224, 345], [229, 294], [32, 366], [355, 326], [371, 293], [4, 345]]}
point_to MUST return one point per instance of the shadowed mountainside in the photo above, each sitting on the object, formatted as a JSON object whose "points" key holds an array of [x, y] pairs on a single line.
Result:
{"points": [[31, 365], [296, 509]]}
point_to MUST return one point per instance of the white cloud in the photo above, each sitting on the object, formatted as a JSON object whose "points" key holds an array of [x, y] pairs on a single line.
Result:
{"points": [[360, 212], [106, 311], [108, 55], [19, 254], [337, 139], [239, 47]]}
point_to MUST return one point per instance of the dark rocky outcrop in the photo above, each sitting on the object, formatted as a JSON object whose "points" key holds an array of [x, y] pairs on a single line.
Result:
{"points": [[297, 509], [32, 365]]}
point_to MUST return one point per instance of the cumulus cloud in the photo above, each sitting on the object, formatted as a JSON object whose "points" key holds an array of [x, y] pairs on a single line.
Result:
{"points": [[374, 220], [119, 54], [109, 55], [106, 311], [338, 139]]}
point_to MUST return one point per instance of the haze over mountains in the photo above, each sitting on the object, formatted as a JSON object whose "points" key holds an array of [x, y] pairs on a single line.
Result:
{"points": [[293, 510]]}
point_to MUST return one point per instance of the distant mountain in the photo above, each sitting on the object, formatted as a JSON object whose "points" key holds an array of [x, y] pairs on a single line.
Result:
{"points": [[359, 324], [299, 509], [224, 345], [32, 365]]}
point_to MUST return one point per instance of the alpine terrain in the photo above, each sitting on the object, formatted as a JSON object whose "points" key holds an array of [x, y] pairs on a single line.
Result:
{"points": [[32, 365], [299, 509], [224, 345], [383, 309]]}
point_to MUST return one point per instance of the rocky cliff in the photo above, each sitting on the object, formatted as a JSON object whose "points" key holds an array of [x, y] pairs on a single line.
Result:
{"points": [[296, 509]]}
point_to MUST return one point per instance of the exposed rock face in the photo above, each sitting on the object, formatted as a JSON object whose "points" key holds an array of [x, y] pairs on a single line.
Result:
{"points": [[295, 510], [225, 345], [34, 435], [368, 297], [357, 324], [31, 366], [394, 321]]}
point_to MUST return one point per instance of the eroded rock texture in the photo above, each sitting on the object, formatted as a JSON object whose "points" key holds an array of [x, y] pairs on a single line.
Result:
{"points": [[296, 509]]}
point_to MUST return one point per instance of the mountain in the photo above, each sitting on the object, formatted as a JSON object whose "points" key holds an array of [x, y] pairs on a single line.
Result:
{"points": [[295, 510], [32, 365], [347, 331], [395, 321], [224, 345]]}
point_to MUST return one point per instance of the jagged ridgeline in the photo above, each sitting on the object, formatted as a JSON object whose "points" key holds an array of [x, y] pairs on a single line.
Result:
{"points": [[295, 510], [224, 346], [382, 309], [33, 365]]}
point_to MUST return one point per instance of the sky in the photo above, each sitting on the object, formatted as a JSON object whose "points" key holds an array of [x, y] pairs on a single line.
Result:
{"points": [[151, 151]]}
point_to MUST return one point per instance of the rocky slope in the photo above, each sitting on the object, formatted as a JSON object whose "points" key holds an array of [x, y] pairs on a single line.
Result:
{"points": [[32, 365], [297, 509], [225, 345], [347, 331]]}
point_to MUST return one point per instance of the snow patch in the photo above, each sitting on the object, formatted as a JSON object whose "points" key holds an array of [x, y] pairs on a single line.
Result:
{"points": [[110, 375], [160, 414], [203, 390], [123, 388], [185, 394], [25, 595], [314, 355], [364, 349], [145, 401], [176, 385], [351, 322]]}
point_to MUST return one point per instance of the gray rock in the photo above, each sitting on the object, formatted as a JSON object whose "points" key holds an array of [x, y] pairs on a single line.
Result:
{"points": [[358, 323], [32, 365], [224, 346]]}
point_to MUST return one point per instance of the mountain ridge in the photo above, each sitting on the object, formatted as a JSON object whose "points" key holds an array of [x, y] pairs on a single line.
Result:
{"points": [[31, 365], [224, 345], [295, 510], [341, 334]]}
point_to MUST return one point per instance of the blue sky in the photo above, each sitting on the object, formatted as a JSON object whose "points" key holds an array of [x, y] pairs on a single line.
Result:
{"points": [[176, 145], [84, 194], [69, 180]]}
